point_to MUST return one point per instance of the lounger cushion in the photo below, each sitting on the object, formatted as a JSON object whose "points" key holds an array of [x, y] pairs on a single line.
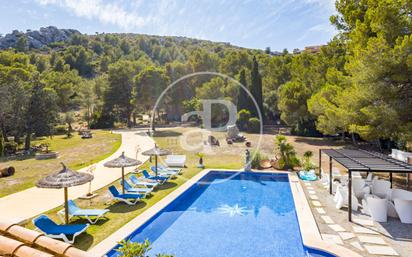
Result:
{"points": [[50, 227]]}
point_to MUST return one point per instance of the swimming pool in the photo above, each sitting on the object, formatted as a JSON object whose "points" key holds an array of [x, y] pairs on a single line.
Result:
{"points": [[228, 214]]}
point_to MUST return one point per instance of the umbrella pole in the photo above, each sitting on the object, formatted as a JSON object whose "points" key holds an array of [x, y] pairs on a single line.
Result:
{"points": [[66, 205], [156, 164], [123, 180]]}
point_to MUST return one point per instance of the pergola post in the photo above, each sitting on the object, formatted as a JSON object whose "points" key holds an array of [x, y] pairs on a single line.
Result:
{"points": [[330, 175], [390, 178], [320, 163], [350, 196]]}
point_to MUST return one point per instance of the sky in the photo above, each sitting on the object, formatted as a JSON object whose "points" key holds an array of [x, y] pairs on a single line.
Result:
{"points": [[277, 24]]}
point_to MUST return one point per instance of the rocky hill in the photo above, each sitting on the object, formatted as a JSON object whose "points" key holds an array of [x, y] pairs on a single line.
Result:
{"points": [[38, 38]]}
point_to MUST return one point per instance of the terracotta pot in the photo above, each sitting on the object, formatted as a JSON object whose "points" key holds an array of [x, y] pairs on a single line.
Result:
{"points": [[265, 164]]}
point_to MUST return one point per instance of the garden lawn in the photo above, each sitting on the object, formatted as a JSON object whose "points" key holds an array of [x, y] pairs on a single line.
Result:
{"points": [[75, 152]]}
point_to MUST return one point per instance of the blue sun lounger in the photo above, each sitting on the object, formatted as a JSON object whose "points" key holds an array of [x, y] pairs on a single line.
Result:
{"points": [[126, 198], [138, 182], [51, 229], [129, 189], [75, 211], [161, 179]]}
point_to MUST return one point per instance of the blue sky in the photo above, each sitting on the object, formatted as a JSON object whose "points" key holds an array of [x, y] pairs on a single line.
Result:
{"points": [[249, 23]]}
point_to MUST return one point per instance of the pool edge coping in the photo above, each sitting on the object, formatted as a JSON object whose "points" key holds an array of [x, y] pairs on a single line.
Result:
{"points": [[308, 228]]}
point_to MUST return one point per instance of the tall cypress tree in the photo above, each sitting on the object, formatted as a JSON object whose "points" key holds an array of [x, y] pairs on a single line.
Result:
{"points": [[256, 88], [242, 98]]}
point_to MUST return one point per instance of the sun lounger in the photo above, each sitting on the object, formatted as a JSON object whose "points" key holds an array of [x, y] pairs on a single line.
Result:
{"points": [[134, 190], [89, 214], [138, 182], [51, 229], [163, 172], [164, 167], [176, 160], [130, 199], [161, 179]]}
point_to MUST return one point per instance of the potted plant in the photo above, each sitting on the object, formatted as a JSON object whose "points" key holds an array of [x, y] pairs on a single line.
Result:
{"points": [[308, 172], [200, 155]]}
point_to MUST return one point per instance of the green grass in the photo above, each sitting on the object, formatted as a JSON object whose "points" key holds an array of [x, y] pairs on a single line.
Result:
{"points": [[120, 213], [74, 152]]}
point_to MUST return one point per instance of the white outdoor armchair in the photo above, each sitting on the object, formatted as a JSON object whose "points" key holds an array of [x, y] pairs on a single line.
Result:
{"points": [[341, 198], [404, 210], [381, 188], [359, 188], [376, 207]]}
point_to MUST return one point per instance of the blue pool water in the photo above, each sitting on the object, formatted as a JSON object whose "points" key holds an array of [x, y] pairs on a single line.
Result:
{"points": [[232, 215]]}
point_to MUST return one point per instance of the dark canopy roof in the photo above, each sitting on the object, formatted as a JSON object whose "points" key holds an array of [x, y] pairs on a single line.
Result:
{"points": [[362, 160]]}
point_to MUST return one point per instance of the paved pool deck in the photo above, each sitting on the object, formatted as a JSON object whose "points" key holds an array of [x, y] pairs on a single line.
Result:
{"points": [[24, 205], [364, 236]]}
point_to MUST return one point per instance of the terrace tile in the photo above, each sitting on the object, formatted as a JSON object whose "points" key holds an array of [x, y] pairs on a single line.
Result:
{"points": [[346, 235], [357, 245], [372, 240], [332, 239], [316, 203], [327, 219], [337, 228], [314, 197], [381, 250], [364, 222], [362, 230], [320, 210]]}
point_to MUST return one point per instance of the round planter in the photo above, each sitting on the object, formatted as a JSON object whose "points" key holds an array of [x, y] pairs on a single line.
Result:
{"points": [[46, 156]]}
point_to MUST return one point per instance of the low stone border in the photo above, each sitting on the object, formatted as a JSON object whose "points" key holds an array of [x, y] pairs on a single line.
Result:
{"points": [[46, 156]]}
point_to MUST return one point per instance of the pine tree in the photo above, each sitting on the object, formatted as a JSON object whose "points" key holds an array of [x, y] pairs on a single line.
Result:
{"points": [[1, 144], [242, 98], [256, 88]]}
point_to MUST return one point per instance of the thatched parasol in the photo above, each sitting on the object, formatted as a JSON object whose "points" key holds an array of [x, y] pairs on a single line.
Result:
{"points": [[156, 151], [121, 162], [63, 179]]}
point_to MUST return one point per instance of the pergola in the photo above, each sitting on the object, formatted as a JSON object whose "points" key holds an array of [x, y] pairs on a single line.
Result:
{"points": [[362, 161]]}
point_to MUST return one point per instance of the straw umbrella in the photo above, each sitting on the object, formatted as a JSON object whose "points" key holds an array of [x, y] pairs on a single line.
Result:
{"points": [[63, 179], [121, 162], [156, 151]]}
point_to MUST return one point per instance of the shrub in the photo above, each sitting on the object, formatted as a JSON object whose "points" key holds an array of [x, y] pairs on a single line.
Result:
{"points": [[253, 125], [287, 154], [243, 117], [257, 156], [10, 148], [60, 130], [135, 249]]}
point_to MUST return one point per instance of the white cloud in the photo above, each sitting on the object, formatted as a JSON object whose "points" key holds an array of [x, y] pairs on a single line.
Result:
{"points": [[109, 13]]}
